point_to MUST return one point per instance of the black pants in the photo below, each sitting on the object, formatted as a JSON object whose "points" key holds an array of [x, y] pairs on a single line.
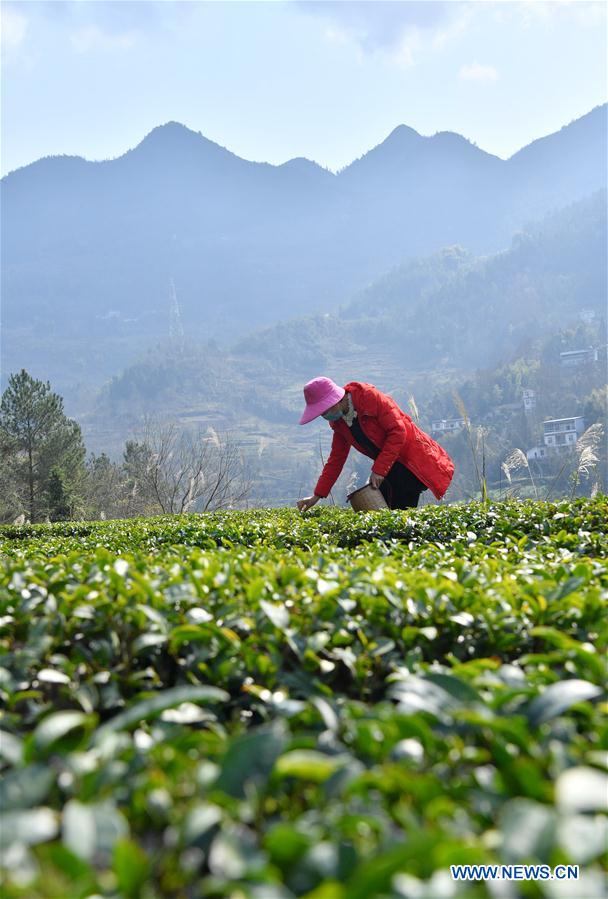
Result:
{"points": [[401, 488]]}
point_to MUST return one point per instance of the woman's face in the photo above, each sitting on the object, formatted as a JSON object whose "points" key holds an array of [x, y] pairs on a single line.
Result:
{"points": [[334, 412]]}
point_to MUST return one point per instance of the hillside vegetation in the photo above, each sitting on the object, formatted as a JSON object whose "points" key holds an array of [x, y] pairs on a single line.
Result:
{"points": [[267, 706], [457, 309], [449, 310]]}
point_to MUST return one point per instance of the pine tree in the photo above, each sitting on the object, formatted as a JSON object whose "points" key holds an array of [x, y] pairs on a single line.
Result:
{"points": [[60, 500], [36, 436]]}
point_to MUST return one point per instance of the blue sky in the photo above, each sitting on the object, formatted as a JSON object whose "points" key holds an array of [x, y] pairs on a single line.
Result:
{"points": [[272, 80]]}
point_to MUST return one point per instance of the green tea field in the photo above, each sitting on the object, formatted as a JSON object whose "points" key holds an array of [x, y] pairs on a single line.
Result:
{"points": [[269, 705]]}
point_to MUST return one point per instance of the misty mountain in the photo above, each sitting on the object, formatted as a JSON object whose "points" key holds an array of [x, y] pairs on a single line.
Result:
{"points": [[447, 312], [89, 248], [456, 310]]}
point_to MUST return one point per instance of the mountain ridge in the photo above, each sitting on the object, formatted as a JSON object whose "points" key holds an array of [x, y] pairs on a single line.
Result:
{"points": [[399, 133]]}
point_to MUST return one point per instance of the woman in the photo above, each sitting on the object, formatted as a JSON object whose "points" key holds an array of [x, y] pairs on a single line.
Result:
{"points": [[407, 461]]}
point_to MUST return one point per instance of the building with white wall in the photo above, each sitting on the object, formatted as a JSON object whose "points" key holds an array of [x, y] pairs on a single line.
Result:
{"points": [[443, 425], [529, 398], [559, 434], [563, 432]]}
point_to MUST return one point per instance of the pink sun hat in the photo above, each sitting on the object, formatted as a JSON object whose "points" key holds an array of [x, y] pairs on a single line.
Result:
{"points": [[320, 394]]}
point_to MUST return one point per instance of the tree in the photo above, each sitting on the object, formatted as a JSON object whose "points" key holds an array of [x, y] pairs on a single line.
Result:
{"points": [[36, 436], [139, 486], [104, 489], [60, 500], [171, 471], [10, 502]]}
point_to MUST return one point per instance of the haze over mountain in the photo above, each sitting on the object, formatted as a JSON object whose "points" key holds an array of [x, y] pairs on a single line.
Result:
{"points": [[89, 248], [456, 310], [445, 312]]}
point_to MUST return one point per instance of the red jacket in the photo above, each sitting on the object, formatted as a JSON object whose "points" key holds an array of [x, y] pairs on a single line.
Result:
{"points": [[397, 436]]}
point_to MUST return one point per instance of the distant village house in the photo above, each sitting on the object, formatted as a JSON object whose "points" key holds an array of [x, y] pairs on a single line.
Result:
{"points": [[529, 397], [558, 434], [440, 426], [574, 358]]}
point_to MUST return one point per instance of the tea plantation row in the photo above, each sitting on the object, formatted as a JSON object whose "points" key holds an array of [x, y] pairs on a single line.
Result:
{"points": [[264, 705]]}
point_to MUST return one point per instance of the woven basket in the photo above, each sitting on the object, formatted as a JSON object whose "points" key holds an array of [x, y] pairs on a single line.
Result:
{"points": [[367, 499]]}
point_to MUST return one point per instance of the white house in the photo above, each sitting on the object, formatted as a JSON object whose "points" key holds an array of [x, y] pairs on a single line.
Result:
{"points": [[440, 426], [558, 434], [574, 358], [529, 397], [563, 432], [537, 452]]}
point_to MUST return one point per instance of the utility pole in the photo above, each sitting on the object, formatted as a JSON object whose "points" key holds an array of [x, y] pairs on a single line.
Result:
{"points": [[176, 328]]}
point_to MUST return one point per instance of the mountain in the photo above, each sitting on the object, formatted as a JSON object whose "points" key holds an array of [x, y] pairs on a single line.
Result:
{"points": [[89, 248], [568, 159], [456, 310], [411, 187], [451, 310]]}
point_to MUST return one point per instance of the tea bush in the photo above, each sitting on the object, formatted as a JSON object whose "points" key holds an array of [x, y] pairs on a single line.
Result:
{"points": [[265, 705]]}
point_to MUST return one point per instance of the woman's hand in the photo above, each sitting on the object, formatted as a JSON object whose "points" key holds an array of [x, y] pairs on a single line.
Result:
{"points": [[375, 480], [305, 504]]}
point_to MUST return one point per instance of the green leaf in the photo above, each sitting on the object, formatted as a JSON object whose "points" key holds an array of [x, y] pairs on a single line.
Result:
{"points": [[59, 731], [149, 708], [373, 877], [582, 789], [586, 655], [528, 830], [130, 864], [277, 614], [70, 865], [52, 676], [80, 875], [420, 694], [11, 747], [250, 759], [308, 764], [28, 826], [148, 641], [330, 719], [201, 633], [25, 787], [583, 837], [190, 633], [226, 857], [558, 697], [330, 889], [91, 830], [457, 688], [286, 844], [200, 822]]}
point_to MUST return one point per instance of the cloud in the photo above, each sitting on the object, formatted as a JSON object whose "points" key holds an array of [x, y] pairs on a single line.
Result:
{"points": [[398, 28], [110, 16], [92, 37], [454, 28], [584, 13], [99, 24], [13, 26], [477, 72]]}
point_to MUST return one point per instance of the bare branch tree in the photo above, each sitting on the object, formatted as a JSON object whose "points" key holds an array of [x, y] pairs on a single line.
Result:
{"points": [[175, 471], [105, 492]]}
